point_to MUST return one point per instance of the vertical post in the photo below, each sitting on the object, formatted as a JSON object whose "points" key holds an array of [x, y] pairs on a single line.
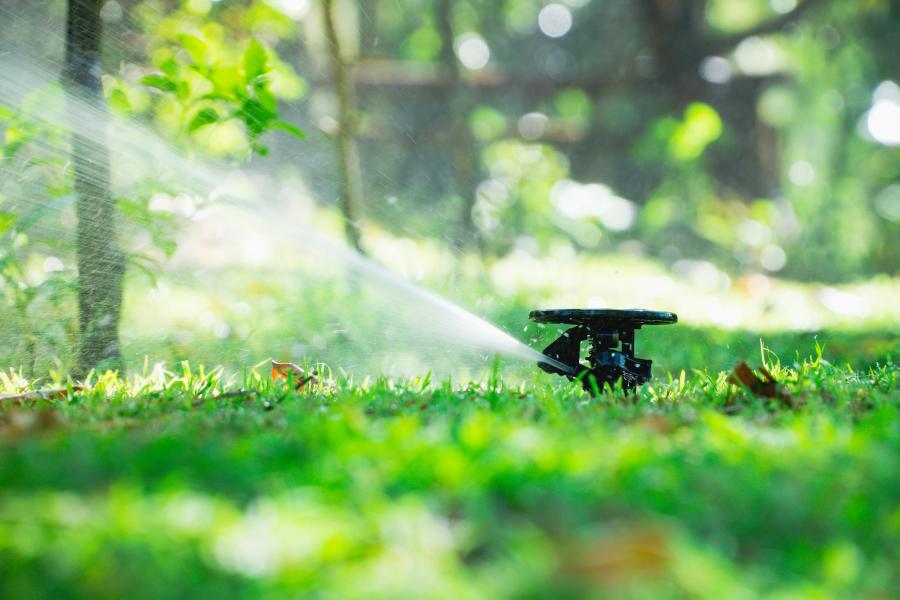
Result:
{"points": [[100, 261], [348, 154]]}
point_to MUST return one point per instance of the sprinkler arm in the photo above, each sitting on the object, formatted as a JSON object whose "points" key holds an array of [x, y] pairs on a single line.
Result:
{"points": [[566, 349], [611, 356]]}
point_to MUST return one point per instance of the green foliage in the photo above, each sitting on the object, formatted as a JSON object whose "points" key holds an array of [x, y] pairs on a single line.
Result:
{"points": [[516, 199], [217, 88], [191, 482], [37, 219], [631, 102], [487, 124], [574, 105], [778, 118], [35, 265], [211, 92], [423, 44], [689, 138]]}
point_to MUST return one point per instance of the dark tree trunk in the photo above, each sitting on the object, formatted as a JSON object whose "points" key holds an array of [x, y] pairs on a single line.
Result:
{"points": [[101, 264], [460, 142], [348, 154]]}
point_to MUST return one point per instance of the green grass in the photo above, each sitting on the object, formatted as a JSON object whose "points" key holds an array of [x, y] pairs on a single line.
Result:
{"points": [[201, 485]]}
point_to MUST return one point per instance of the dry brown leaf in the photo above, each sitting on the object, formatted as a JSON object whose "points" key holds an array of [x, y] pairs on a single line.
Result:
{"points": [[283, 371], [656, 424], [764, 386], [760, 386], [640, 551], [17, 423]]}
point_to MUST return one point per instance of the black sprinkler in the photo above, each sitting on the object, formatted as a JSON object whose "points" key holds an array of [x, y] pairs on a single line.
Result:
{"points": [[611, 335]]}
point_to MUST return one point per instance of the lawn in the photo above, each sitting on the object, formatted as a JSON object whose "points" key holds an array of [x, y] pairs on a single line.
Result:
{"points": [[193, 484]]}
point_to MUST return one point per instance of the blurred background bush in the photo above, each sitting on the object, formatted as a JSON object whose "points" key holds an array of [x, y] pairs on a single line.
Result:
{"points": [[760, 134]]}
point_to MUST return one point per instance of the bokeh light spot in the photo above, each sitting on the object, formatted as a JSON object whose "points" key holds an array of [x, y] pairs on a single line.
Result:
{"points": [[802, 173], [295, 9], [473, 52], [555, 20], [715, 69], [887, 202], [758, 56], [883, 119], [533, 125], [772, 257], [581, 201], [53, 264], [783, 6]]}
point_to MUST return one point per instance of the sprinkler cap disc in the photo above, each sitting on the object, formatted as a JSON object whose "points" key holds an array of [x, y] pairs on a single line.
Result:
{"points": [[588, 316]]}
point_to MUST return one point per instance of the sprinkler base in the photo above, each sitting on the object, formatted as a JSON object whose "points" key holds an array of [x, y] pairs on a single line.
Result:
{"points": [[611, 336]]}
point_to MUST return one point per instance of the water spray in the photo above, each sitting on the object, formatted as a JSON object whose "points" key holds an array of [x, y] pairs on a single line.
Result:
{"points": [[434, 324]]}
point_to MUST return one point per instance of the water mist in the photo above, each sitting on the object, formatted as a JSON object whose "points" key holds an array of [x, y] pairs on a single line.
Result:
{"points": [[401, 318]]}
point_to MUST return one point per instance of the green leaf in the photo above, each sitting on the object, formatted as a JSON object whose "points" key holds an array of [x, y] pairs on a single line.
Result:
{"points": [[12, 148], [226, 81], [159, 82], [169, 67], [195, 47], [289, 128], [145, 265], [118, 100], [266, 98], [182, 89], [254, 61], [205, 117], [256, 117], [7, 220], [130, 209]]}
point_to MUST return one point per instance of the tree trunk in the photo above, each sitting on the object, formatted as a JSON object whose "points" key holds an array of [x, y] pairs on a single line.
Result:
{"points": [[100, 261], [348, 154], [462, 147]]}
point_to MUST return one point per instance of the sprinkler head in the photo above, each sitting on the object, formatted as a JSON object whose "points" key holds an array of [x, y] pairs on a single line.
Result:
{"points": [[611, 336]]}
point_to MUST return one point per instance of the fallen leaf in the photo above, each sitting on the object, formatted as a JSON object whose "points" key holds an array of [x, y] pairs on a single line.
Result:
{"points": [[16, 424], [656, 424], [640, 551], [284, 371], [765, 386]]}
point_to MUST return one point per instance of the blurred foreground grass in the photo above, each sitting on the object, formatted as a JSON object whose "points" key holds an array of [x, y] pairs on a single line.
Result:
{"points": [[193, 484]]}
